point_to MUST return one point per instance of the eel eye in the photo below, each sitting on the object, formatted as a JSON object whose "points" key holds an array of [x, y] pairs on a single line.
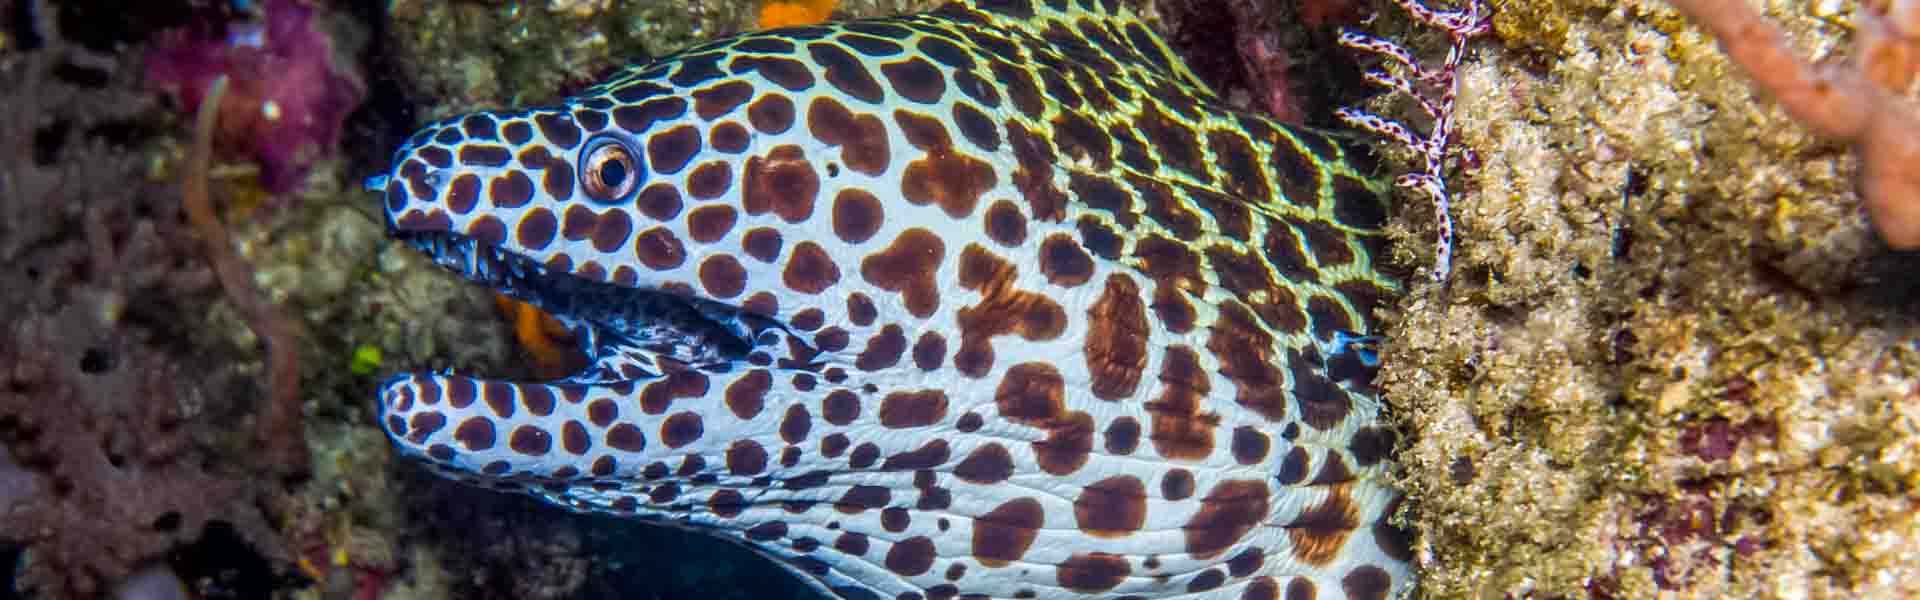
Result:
{"points": [[609, 170]]}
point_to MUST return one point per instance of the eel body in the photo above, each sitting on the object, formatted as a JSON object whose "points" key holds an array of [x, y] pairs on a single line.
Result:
{"points": [[997, 301]]}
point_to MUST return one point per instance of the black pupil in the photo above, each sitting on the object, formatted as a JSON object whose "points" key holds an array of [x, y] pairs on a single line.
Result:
{"points": [[613, 173]]}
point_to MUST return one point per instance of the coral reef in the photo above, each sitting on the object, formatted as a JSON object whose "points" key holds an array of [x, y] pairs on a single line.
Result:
{"points": [[117, 414], [1673, 359]]}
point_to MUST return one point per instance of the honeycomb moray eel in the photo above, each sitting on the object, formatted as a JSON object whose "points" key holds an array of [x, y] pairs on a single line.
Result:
{"points": [[997, 301]]}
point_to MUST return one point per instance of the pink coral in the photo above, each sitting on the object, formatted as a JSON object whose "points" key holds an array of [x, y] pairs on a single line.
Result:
{"points": [[287, 98]]}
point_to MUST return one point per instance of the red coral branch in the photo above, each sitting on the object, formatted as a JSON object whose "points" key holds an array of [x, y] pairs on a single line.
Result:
{"points": [[1856, 102]]}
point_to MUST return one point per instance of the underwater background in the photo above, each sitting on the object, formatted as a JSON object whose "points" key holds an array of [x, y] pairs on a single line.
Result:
{"points": [[1673, 357]]}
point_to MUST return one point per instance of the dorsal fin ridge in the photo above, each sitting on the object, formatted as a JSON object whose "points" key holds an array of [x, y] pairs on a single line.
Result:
{"points": [[1128, 39]]}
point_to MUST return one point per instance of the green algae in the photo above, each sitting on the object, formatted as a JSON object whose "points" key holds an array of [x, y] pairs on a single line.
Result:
{"points": [[1672, 357]]}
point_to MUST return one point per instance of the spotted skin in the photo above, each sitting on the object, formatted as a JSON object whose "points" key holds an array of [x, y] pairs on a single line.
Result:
{"points": [[996, 301]]}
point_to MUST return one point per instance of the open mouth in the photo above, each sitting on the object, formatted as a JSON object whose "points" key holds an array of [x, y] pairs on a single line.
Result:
{"points": [[626, 333]]}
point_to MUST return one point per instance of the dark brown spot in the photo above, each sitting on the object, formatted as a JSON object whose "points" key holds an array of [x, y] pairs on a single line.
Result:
{"points": [[1173, 140], [782, 182], [463, 193], [747, 395], [861, 498], [808, 319], [710, 180], [659, 394], [1001, 310], [916, 80], [929, 351], [602, 412], [681, 428], [1116, 347], [660, 202], [1245, 351], [658, 249], [908, 266], [810, 270], [487, 230], [845, 73], [1034, 177], [761, 303], [771, 530], [857, 215], [1005, 225], [1226, 515], [1082, 140], [901, 410], [1366, 582], [1092, 572], [1003, 535], [1112, 507], [1177, 485], [986, 465], [927, 456], [558, 128], [883, 350], [669, 151], [1180, 430], [795, 424], [834, 445], [894, 519], [517, 132], [1168, 210], [910, 557], [638, 118], [976, 88], [952, 180], [1371, 445], [484, 155], [772, 113], [784, 72], [1234, 156], [1249, 445], [729, 137], [1021, 89], [707, 224], [852, 543], [573, 437], [510, 190], [840, 407], [721, 99], [1323, 404], [976, 127], [1329, 244], [726, 504], [746, 457], [762, 243], [1063, 261], [1122, 436], [1105, 194], [626, 437], [863, 137], [610, 230], [476, 433], [969, 423], [722, 276]]}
